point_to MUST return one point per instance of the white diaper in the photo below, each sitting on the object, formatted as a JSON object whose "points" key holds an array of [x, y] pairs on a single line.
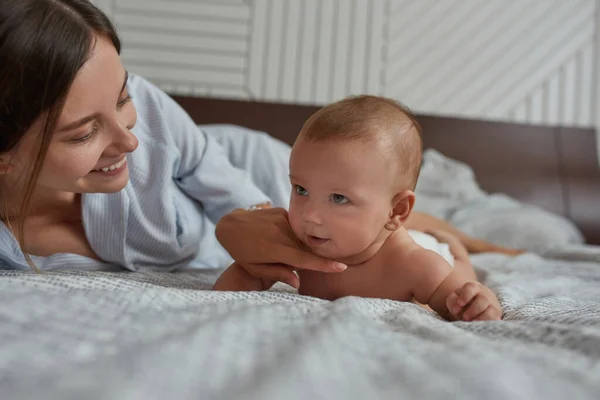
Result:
{"points": [[429, 242]]}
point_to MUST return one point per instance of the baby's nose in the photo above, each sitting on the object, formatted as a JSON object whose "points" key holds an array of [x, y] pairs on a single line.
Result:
{"points": [[312, 215]]}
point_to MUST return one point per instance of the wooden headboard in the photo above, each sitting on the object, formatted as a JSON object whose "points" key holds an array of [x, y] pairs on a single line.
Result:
{"points": [[555, 168]]}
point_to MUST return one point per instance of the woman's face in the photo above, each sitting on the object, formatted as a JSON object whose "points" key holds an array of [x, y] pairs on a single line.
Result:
{"points": [[93, 134]]}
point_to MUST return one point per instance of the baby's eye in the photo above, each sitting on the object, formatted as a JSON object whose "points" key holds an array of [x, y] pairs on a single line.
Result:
{"points": [[301, 191], [339, 199]]}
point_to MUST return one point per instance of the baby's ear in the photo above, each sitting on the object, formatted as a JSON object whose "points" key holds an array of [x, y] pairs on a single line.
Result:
{"points": [[402, 205]]}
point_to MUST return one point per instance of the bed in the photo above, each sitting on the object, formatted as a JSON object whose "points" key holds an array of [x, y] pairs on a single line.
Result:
{"points": [[111, 335]]}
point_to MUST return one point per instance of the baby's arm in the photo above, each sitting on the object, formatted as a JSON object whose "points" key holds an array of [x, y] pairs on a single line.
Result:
{"points": [[237, 279], [452, 293], [255, 277]]}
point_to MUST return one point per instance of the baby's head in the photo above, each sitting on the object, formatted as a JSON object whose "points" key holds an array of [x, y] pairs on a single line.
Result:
{"points": [[353, 170]]}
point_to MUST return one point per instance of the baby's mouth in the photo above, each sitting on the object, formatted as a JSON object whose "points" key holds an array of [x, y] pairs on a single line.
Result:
{"points": [[315, 240]]}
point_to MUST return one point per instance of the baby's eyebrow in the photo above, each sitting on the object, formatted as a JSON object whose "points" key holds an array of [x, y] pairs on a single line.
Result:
{"points": [[343, 190]]}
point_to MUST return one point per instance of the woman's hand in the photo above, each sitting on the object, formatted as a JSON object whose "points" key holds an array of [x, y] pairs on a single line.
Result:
{"points": [[263, 244]]}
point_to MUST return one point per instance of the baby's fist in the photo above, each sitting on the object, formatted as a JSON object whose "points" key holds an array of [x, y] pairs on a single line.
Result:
{"points": [[474, 302]]}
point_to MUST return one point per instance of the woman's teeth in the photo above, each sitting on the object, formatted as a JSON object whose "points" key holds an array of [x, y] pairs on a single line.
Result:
{"points": [[114, 166]]}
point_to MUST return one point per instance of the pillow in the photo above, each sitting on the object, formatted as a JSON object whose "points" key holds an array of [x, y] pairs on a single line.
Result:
{"points": [[506, 222], [444, 185], [447, 189]]}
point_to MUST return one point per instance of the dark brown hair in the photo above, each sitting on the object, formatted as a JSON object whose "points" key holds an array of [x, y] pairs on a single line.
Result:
{"points": [[366, 118], [43, 45]]}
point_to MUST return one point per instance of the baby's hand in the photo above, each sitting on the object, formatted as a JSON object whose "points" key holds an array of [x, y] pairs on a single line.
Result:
{"points": [[474, 302]]}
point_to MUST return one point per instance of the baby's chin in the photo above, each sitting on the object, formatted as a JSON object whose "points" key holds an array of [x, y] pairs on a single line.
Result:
{"points": [[330, 252]]}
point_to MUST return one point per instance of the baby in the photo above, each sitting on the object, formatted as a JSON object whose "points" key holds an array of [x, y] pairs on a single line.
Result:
{"points": [[353, 169]]}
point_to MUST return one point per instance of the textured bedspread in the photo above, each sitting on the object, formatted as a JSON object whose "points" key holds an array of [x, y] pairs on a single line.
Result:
{"points": [[164, 336]]}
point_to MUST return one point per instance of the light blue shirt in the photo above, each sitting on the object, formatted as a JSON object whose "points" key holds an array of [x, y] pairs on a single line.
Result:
{"points": [[181, 183]]}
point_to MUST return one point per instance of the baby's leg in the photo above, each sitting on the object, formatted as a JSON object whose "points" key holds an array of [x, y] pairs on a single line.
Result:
{"points": [[426, 223]]}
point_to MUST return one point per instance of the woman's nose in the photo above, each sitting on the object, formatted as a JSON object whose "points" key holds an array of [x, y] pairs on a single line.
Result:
{"points": [[128, 142], [125, 141]]}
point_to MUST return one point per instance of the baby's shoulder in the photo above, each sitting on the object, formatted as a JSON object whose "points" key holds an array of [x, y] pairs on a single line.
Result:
{"points": [[407, 255]]}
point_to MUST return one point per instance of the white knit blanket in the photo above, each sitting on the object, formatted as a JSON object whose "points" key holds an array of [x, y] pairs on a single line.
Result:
{"points": [[165, 336]]}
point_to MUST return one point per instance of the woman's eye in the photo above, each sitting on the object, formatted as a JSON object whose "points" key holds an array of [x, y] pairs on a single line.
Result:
{"points": [[301, 191], [88, 136], [126, 100], [339, 199]]}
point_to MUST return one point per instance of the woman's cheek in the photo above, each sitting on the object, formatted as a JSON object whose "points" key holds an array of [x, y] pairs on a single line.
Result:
{"points": [[76, 164]]}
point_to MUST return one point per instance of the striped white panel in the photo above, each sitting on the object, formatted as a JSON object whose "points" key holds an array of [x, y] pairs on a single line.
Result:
{"points": [[173, 24], [529, 60], [193, 76], [180, 41], [199, 90], [459, 45], [375, 42], [554, 98], [230, 93], [341, 24], [558, 46], [183, 89], [308, 43], [398, 16], [358, 46], [169, 87], [275, 46], [586, 85], [516, 44], [520, 112], [291, 56], [441, 22], [536, 109], [447, 76], [193, 59], [569, 96], [325, 70], [186, 9], [408, 25], [258, 46]]}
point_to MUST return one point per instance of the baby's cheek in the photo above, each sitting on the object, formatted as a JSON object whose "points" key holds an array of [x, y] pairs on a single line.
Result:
{"points": [[294, 221]]}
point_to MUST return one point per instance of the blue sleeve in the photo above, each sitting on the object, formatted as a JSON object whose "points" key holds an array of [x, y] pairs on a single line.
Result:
{"points": [[201, 167]]}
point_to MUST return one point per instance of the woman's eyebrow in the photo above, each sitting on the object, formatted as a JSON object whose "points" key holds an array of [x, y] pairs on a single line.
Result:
{"points": [[124, 82], [85, 120], [78, 123]]}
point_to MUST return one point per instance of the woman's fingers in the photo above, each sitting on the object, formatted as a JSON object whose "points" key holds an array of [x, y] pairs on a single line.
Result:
{"points": [[266, 237], [301, 259]]}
